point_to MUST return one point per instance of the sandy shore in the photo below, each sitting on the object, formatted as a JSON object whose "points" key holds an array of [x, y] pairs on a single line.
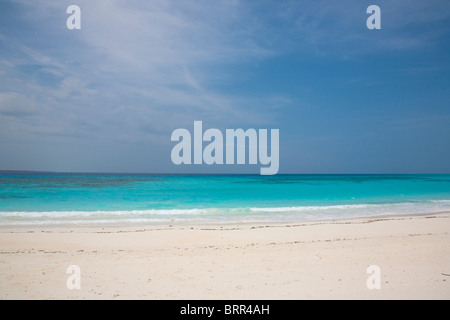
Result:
{"points": [[324, 260]]}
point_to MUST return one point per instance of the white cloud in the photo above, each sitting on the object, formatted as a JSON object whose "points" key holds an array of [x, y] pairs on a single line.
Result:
{"points": [[15, 105], [156, 52]]}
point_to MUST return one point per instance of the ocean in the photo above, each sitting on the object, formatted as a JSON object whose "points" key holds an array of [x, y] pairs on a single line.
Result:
{"points": [[107, 199]]}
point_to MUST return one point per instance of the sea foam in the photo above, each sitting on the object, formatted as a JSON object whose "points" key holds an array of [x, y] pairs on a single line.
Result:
{"points": [[225, 215]]}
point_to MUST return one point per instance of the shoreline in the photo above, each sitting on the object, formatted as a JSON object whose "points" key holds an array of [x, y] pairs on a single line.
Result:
{"points": [[306, 260], [173, 225]]}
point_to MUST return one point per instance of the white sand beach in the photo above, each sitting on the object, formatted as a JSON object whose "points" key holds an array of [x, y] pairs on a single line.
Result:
{"points": [[314, 260]]}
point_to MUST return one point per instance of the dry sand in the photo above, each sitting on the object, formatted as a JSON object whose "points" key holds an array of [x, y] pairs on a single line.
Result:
{"points": [[317, 260]]}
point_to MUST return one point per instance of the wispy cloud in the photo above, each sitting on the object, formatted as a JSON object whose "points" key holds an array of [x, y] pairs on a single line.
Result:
{"points": [[141, 66], [339, 27], [16, 105]]}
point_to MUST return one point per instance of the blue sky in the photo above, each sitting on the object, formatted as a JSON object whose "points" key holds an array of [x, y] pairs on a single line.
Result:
{"points": [[106, 98]]}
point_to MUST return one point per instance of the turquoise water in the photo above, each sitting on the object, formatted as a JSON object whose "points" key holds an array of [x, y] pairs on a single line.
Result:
{"points": [[41, 198]]}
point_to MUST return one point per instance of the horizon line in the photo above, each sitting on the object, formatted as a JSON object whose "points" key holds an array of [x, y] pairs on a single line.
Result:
{"points": [[202, 174]]}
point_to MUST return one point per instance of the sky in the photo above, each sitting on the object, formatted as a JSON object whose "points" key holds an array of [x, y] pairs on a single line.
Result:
{"points": [[107, 97]]}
